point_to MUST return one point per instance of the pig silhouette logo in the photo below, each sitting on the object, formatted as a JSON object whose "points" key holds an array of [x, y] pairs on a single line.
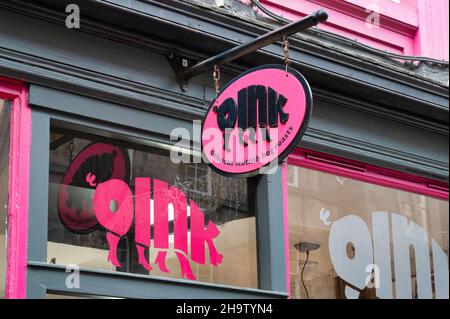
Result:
{"points": [[118, 221], [256, 120], [95, 164]]}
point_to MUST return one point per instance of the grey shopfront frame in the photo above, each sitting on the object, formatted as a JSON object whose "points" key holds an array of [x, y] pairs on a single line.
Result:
{"points": [[51, 107], [83, 77]]}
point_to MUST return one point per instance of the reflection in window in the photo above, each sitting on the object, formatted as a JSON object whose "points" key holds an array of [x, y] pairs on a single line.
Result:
{"points": [[194, 249], [198, 178], [365, 241], [5, 117]]}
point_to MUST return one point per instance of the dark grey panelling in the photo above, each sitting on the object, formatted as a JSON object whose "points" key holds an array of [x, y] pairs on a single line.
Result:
{"points": [[270, 226], [175, 21], [338, 126], [74, 59], [105, 111], [114, 284], [376, 136], [39, 181]]}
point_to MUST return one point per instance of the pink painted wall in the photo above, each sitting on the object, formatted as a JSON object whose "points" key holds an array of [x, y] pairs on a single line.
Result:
{"points": [[409, 27], [432, 38]]}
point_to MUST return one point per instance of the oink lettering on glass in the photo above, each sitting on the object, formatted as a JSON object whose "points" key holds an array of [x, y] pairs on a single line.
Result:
{"points": [[118, 222]]}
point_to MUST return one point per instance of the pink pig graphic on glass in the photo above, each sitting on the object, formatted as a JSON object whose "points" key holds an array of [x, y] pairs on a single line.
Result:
{"points": [[118, 222]]}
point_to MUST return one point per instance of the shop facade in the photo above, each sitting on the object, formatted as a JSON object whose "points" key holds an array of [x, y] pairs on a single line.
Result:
{"points": [[364, 195]]}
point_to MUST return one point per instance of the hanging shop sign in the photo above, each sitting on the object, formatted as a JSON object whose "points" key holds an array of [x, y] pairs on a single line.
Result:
{"points": [[95, 194], [256, 120]]}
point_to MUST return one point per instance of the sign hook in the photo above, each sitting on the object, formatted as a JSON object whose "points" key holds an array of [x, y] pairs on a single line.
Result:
{"points": [[71, 149], [286, 59], [234, 53], [216, 77]]}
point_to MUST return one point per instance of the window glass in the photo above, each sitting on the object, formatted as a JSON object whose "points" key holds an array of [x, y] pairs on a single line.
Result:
{"points": [[110, 200], [5, 119], [364, 240]]}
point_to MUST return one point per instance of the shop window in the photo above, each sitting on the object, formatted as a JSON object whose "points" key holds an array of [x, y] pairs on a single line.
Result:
{"points": [[5, 119], [109, 201], [352, 239]]}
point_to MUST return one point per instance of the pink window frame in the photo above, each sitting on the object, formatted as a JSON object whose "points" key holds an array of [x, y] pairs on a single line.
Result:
{"points": [[358, 171], [19, 171]]}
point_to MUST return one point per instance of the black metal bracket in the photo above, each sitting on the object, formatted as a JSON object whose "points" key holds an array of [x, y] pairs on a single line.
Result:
{"points": [[179, 64], [186, 70]]}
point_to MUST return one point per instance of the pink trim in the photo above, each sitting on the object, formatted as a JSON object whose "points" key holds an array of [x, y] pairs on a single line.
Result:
{"points": [[406, 27], [395, 33], [18, 187], [396, 17], [284, 172], [368, 173]]}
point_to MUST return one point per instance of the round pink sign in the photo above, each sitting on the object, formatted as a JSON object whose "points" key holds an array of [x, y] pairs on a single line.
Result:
{"points": [[256, 120]]}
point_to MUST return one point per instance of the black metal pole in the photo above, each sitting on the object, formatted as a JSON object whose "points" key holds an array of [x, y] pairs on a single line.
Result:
{"points": [[260, 42]]}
